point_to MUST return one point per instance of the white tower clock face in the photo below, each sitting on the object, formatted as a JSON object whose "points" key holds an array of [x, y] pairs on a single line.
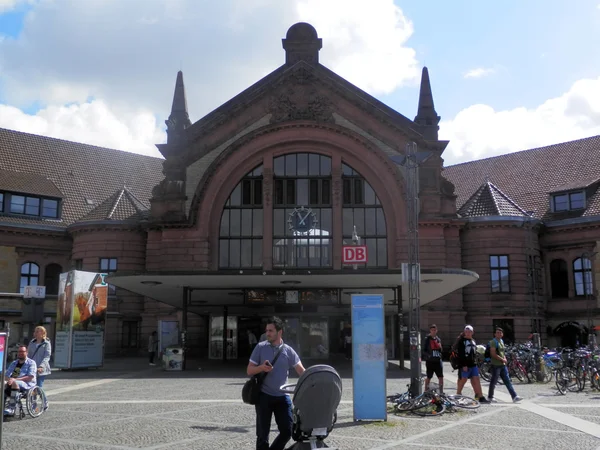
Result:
{"points": [[302, 220]]}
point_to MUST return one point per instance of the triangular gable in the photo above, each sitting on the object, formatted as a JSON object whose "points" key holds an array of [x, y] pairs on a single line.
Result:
{"points": [[489, 200], [122, 205], [317, 88]]}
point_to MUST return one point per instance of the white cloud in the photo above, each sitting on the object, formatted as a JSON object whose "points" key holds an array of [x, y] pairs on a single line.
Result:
{"points": [[479, 72], [127, 55], [91, 123], [364, 41], [480, 132], [8, 5]]}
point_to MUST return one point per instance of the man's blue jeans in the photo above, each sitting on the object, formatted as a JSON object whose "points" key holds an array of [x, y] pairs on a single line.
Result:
{"points": [[500, 372], [268, 405]]}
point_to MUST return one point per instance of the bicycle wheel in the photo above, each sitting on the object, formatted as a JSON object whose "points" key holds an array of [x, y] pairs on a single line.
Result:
{"points": [[484, 370], [431, 409], [35, 401], [519, 372], [462, 401]]}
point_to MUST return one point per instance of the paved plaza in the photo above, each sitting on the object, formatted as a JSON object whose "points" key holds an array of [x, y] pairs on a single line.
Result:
{"points": [[128, 405]]}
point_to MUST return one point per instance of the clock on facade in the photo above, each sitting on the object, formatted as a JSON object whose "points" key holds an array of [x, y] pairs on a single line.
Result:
{"points": [[302, 220]]}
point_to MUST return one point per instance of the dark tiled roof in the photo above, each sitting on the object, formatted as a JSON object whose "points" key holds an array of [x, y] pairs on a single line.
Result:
{"points": [[80, 172], [489, 200], [123, 205], [529, 176], [28, 183]]}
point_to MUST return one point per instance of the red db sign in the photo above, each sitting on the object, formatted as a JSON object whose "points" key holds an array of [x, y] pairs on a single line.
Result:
{"points": [[355, 254]]}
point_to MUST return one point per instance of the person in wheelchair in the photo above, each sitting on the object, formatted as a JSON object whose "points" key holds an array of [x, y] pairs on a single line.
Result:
{"points": [[19, 376]]}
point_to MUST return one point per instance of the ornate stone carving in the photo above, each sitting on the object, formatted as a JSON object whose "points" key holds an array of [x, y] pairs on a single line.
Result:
{"points": [[299, 99], [267, 187]]}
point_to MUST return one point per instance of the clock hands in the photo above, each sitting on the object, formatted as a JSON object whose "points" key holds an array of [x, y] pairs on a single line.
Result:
{"points": [[303, 219]]}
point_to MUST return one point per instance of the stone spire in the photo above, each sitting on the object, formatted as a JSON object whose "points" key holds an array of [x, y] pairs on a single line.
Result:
{"points": [[179, 119], [427, 118], [302, 43]]}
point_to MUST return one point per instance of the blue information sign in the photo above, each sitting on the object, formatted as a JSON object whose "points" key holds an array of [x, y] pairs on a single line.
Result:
{"points": [[368, 357]]}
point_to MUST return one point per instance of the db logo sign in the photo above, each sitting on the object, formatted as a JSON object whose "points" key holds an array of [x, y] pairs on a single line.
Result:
{"points": [[356, 254]]}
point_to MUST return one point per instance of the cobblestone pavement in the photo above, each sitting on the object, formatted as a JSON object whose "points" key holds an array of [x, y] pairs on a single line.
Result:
{"points": [[127, 405]]}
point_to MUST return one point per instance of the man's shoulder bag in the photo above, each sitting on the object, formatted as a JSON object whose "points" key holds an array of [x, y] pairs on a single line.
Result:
{"points": [[251, 389]]}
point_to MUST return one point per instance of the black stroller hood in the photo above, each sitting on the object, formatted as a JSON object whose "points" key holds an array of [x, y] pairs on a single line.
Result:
{"points": [[317, 395]]}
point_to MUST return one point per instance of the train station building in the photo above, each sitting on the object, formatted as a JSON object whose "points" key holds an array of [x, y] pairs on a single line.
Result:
{"points": [[253, 208]]}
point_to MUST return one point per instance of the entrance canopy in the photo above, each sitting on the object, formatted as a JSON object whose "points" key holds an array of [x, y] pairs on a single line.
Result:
{"points": [[226, 288]]}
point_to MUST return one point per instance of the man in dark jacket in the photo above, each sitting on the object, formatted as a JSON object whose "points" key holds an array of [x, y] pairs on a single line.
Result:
{"points": [[432, 355], [467, 349]]}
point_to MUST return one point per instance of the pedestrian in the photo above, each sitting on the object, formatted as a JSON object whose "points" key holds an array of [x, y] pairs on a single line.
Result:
{"points": [[432, 355], [274, 358], [499, 369], [467, 348], [40, 350], [347, 340], [252, 341], [152, 347]]}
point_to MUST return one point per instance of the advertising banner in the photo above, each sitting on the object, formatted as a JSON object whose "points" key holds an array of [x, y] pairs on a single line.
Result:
{"points": [[80, 320], [368, 357]]}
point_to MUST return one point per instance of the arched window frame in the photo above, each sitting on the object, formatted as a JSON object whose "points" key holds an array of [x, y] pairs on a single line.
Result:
{"points": [[362, 208], [241, 226], [52, 278], [29, 275], [583, 282], [559, 278], [302, 185]]}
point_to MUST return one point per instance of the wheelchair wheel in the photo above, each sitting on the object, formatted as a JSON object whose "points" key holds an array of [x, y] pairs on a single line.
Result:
{"points": [[35, 401]]}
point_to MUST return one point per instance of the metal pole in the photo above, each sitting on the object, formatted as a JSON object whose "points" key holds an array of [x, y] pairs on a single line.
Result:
{"points": [[184, 323], [4, 343], [400, 328], [414, 270]]}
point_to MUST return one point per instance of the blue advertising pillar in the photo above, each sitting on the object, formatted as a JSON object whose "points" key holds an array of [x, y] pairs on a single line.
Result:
{"points": [[368, 357]]}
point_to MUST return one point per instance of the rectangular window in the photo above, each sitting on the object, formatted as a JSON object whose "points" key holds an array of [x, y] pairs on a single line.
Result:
{"points": [[109, 265], [17, 204], [576, 200], [50, 208], [78, 264], [326, 192], [32, 206], [499, 273], [1, 202], [279, 192], [568, 201]]}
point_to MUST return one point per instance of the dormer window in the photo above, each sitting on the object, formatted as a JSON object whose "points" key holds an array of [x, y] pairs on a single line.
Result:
{"points": [[29, 205], [568, 201]]}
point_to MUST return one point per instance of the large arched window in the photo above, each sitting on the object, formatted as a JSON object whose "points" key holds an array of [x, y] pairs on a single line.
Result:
{"points": [[240, 236], [559, 278], [30, 275], [51, 278], [363, 210], [302, 214], [582, 274]]}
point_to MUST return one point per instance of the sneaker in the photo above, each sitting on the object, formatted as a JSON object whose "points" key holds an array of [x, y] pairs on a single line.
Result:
{"points": [[517, 399], [152, 364], [492, 400], [9, 412], [483, 400]]}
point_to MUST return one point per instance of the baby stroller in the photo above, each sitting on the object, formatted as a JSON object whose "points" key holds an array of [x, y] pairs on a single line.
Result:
{"points": [[316, 396]]}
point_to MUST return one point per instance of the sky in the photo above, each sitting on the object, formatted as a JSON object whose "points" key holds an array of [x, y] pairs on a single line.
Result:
{"points": [[506, 76]]}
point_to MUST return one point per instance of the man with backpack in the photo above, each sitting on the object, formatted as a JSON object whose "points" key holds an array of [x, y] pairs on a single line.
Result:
{"points": [[432, 355], [499, 369]]}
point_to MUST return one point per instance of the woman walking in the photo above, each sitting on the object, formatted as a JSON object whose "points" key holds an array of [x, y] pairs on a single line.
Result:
{"points": [[40, 350]]}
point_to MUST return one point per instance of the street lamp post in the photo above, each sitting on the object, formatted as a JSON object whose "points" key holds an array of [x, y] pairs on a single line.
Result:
{"points": [[588, 286]]}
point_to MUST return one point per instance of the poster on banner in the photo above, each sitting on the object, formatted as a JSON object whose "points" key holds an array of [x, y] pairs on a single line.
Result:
{"points": [[2, 350], [368, 357], [80, 320]]}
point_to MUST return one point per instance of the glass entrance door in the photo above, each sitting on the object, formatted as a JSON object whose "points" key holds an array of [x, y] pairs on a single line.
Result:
{"points": [[314, 338], [215, 350]]}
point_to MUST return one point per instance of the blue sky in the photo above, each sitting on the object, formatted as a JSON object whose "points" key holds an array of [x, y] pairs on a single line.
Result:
{"points": [[506, 75]]}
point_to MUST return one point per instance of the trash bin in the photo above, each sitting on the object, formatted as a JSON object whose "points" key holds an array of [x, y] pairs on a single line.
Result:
{"points": [[173, 358]]}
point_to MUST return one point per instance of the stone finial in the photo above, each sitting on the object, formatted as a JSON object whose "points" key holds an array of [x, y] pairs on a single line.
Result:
{"points": [[302, 43]]}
